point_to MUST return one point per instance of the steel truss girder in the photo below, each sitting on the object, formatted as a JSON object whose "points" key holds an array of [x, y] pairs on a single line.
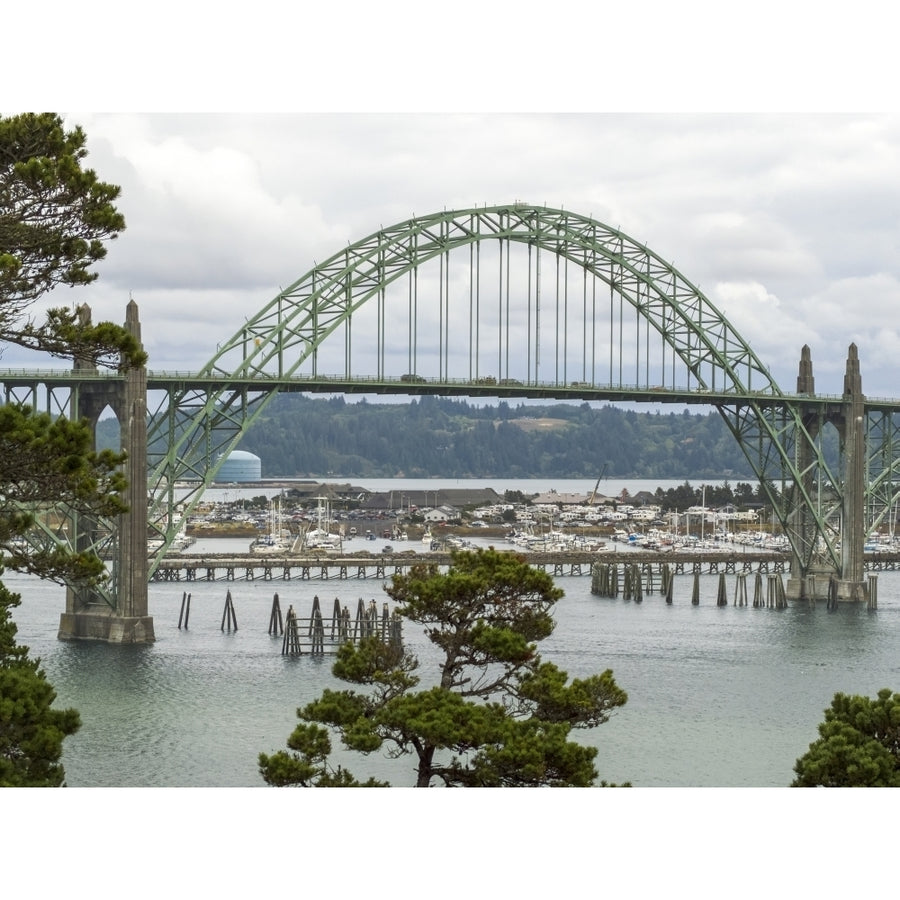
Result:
{"points": [[194, 430], [286, 332], [784, 445], [882, 467]]}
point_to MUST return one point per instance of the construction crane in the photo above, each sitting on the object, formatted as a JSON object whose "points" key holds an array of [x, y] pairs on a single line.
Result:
{"points": [[594, 492]]}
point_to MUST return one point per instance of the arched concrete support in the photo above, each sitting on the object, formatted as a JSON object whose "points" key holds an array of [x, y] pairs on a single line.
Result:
{"points": [[802, 583], [852, 586], [87, 618], [821, 581]]}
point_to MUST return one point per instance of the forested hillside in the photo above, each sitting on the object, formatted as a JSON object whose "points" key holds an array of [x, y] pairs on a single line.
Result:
{"points": [[300, 436]]}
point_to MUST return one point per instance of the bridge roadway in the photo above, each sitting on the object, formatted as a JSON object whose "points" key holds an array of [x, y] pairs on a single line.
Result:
{"points": [[234, 567]]}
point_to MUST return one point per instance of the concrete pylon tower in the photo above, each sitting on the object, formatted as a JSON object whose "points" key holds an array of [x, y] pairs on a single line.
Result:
{"points": [[802, 584], [130, 622], [851, 586]]}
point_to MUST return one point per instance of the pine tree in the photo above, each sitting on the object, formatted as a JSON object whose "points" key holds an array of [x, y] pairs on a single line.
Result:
{"points": [[494, 715], [55, 218], [31, 730]]}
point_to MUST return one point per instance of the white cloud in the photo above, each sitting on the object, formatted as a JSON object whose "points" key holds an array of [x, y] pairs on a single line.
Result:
{"points": [[788, 222]]}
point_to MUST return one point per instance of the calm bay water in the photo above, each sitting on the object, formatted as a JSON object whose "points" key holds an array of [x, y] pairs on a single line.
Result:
{"points": [[718, 696], [609, 487]]}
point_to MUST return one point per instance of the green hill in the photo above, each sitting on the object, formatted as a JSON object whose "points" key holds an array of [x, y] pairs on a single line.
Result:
{"points": [[302, 436]]}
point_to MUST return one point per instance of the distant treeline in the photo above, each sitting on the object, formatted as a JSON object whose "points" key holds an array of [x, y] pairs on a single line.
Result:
{"points": [[301, 436]]}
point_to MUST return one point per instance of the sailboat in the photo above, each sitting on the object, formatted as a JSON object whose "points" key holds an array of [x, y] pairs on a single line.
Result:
{"points": [[323, 537], [278, 541]]}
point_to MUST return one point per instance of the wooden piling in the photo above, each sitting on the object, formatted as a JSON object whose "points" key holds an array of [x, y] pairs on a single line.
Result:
{"points": [[337, 619], [872, 602], [396, 628], [740, 589], [290, 646], [722, 594], [185, 613], [316, 630], [695, 594], [229, 614], [359, 624], [315, 612], [276, 625], [832, 593], [664, 576]]}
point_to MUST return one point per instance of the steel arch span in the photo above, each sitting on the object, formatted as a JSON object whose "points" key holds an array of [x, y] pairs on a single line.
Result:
{"points": [[515, 300]]}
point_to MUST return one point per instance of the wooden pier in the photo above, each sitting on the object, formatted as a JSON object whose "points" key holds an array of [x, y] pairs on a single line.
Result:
{"points": [[228, 567]]}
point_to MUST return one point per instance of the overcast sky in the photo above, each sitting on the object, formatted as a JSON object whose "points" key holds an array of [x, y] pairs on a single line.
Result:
{"points": [[789, 222]]}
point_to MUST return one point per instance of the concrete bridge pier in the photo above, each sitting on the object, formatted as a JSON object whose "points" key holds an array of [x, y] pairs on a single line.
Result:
{"points": [[88, 617], [824, 582], [851, 583], [804, 584]]}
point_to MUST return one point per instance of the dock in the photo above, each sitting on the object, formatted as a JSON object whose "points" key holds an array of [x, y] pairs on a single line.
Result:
{"points": [[230, 567]]}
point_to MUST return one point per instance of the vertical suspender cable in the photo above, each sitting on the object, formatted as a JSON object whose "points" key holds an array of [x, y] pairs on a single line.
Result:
{"points": [[477, 305], [381, 304], [611, 325], [471, 302], [584, 319], [441, 314], [348, 337], [528, 355], [314, 326], [537, 315], [593, 315], [500, 303], [506, 367], [556, 342], [565, 355], [446, 255], [411, 317]]}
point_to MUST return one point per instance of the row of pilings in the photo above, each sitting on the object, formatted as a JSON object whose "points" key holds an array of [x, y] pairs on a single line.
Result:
{"points": [[632, 581], [314, 634]]}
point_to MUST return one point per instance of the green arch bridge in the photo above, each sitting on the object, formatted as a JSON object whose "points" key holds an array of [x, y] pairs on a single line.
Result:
{"points": [[509, 301]]}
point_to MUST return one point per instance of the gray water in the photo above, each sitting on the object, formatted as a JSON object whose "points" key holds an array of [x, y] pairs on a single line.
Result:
{"points": [[717, 696]]}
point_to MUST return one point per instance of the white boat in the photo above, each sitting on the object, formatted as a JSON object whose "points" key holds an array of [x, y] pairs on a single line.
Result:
{"points": [[278, 540], [323, 537]]}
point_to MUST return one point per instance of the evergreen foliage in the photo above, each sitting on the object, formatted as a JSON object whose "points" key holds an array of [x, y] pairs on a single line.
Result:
{"points": [[31, 731], [302, 436], [495, 714], [858, 744], [55, 217]]}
